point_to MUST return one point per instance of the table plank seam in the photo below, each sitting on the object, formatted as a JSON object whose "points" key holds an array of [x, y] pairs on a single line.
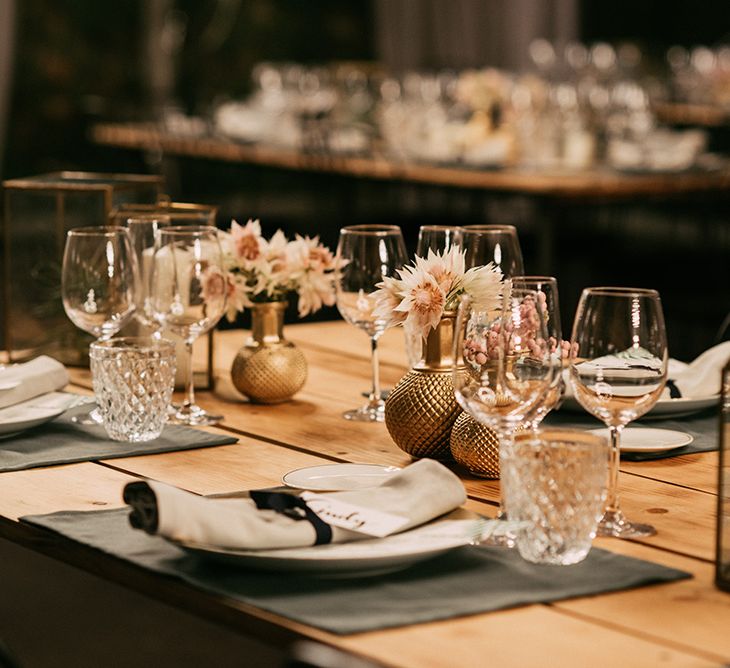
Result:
{"points": [[669, 482]]}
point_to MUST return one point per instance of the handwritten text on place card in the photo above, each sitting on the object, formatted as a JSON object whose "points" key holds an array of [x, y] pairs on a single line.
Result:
{"points": [[355, 518]]}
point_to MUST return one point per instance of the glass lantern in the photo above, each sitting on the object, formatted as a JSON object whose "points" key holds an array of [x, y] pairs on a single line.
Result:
{"points": [[722, 572]]}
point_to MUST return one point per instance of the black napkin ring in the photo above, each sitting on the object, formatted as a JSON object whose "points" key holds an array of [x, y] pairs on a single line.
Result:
{"points": [[674, 392], [294, 507]]}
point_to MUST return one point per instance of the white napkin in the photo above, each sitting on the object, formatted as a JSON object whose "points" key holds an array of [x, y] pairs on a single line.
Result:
{"points": [[420, 492], [39, 376], [700, 378]]}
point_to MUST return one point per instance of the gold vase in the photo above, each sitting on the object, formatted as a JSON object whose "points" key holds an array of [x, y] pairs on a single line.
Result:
{"points": [[475, 446], [421, 409], [268, 369]]}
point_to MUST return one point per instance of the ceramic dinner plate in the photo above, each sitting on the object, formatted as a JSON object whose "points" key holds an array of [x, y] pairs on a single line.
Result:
{"points": [[338, 477], [371, 556], [645, 439], [32, 413]]}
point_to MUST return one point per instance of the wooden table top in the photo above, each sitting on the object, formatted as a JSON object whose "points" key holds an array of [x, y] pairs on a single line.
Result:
{"points": [[591, 183], [678, 624]]}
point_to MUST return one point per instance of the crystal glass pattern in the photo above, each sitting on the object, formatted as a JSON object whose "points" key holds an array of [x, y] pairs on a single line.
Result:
{"points": [[554, 486], [133, 382]]}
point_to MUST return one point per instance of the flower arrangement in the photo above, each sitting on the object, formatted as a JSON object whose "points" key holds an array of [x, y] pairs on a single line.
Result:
{"points": [[261, 270], [418, 298]]}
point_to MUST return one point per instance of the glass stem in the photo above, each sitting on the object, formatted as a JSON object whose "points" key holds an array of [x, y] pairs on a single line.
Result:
{"points": [[375, 394], [189, 401], [614, 457], [506, 440]]}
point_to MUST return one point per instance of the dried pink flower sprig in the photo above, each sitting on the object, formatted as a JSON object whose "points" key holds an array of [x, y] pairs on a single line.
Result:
{"points": [[484, 348], [261, 270], [418, 298]]}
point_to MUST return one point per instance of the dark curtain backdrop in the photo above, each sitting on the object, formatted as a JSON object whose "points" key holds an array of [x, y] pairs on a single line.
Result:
{"points": [[434, 34]]}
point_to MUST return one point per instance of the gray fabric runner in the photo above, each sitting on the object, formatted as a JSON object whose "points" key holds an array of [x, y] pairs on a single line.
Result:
{"points": [[62, 441], [465, 581], [704, 427]]}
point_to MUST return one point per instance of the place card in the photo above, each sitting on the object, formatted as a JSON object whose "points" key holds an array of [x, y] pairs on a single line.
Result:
{"points": [[355, 518]]}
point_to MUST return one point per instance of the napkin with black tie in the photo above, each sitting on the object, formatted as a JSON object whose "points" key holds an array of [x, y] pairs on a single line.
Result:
{"points": [[419, 493]]}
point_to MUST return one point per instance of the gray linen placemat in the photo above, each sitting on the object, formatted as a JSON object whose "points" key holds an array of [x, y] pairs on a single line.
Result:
{"points": [[64, 442], [704, 427], [466, 581]]}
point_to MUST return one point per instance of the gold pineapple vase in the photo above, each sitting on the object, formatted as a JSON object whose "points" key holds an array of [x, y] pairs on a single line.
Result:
{"points": [[421, 409], [475, 446], [268, 369]]}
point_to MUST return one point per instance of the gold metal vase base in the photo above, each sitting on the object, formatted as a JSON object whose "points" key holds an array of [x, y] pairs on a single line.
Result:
{"points": [[268, 369], [421, 408], [475, 447]]}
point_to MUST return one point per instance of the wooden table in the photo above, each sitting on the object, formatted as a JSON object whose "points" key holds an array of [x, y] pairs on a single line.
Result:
{"points": [[678, 624]]}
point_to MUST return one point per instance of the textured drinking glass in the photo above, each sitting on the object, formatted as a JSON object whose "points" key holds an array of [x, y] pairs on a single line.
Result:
{"points": [[366, 254], [554, 487], [133, 382], [618, 369], [493, 243]]}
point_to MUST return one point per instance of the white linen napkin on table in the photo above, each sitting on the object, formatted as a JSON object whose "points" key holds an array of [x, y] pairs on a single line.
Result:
{"points": [[700, 378], [420, 492], [39, 376]]}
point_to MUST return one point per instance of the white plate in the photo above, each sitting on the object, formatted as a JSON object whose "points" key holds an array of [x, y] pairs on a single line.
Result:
{"points": [[339, 477], [32, 413], [664, 407], [371, 556], [646, 439]]}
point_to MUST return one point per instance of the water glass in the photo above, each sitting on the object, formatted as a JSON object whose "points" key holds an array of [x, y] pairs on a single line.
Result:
{"points": [[133, 379], [554, 487]]}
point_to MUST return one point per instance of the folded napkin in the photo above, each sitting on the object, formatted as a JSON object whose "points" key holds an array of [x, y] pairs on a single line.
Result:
{"points": [[420, 492], [700, 378], [39, 376]]}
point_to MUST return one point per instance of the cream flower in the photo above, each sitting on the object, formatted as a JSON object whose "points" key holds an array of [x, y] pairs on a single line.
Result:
{"points": [[423, 301], [447, 267], [484, 285], [246, 239], [387, 297]]}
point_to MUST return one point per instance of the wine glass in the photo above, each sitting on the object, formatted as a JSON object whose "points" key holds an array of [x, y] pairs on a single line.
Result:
{"points": [[98, 283], [503, 368], [546, 288], [437, 238], [144, 232], [498, 244], [188, 293], [366, 254], [618, 369]]}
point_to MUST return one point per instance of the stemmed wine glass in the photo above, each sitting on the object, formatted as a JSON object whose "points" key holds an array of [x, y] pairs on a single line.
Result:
{"points": [[188, 293], [498, 244], [546, 289], [618, 369], [144, 232], [437, 238], [504, 367], [366, 254], [98, 282]]}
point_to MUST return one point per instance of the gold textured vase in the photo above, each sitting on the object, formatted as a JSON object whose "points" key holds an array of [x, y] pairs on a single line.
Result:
{"points": [[268, 369], [475, 446], [421, 409]]}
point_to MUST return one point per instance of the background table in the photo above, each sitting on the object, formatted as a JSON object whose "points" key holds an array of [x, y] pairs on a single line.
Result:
{"points": [[109, 611]]}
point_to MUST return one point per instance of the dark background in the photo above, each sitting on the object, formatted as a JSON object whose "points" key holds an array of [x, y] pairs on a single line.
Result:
{"points": [[83, 61]]}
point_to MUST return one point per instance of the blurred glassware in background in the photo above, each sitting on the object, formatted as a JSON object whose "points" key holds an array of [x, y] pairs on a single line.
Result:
{"points": [[580, 107]]}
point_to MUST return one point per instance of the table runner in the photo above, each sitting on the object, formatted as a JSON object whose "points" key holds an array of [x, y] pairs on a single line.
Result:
{"points": [[702, 426], [465, 581], [63, 441]]}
